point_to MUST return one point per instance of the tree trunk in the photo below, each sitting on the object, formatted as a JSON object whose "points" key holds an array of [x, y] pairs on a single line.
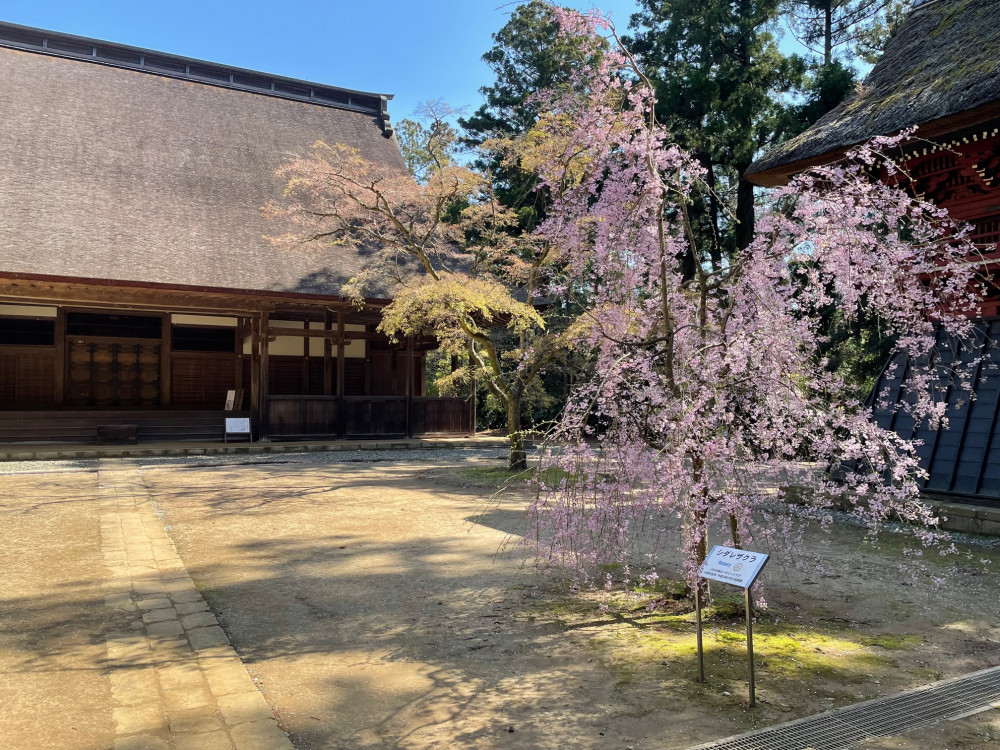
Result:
{"points": [[828, 34], [734, 530], [518, 454], [744, 210], [703, 592]]}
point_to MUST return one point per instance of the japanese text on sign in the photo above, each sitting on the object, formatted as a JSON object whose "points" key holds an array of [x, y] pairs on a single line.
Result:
{"points": [[738, 567], [237, 425]]}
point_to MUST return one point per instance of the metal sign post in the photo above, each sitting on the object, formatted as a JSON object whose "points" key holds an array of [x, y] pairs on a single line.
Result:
{"points": [[697, 612], [748, 605], [737, 567]]}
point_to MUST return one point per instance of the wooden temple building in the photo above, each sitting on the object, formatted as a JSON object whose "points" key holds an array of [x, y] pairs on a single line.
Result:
{"points": [[137, 288], [941, 73]]}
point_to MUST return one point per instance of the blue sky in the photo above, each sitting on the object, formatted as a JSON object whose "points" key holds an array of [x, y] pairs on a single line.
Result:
{"points": [[417, 50]]}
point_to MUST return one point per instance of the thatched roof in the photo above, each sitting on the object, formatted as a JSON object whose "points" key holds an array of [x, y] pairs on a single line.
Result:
{"points": [[941, 72], [109, 171]]}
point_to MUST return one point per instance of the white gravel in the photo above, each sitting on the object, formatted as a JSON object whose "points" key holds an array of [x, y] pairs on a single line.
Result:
{"points": [[423, 455]]}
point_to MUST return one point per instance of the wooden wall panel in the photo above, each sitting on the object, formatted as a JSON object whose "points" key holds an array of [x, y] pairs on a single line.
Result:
{"points": [[113, 374], [286, 376], [200, 381], [27, 377], [354, 377]]}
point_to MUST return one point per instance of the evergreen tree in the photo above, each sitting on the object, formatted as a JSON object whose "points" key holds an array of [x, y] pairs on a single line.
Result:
{"points": [[722, 88], [528, 55], [856, 27]]}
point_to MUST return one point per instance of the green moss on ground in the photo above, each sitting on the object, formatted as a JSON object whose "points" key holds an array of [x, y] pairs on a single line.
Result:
{"points": [[646, 640]]}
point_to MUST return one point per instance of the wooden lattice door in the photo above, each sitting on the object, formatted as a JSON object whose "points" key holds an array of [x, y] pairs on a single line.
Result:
{"points": [[102, 373]]}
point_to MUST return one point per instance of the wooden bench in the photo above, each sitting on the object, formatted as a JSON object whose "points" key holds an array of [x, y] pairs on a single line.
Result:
{"points": [[118, 433]]}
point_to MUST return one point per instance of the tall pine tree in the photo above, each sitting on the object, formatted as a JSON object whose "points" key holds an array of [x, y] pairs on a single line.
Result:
{"points": [[723, 89]]}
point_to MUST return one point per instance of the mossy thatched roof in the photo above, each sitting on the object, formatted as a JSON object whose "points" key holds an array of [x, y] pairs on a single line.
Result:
{"points": [[114, 173], [942, 66]]}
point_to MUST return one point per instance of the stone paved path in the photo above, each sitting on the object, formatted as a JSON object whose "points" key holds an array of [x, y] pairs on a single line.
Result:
{"points": [[177, 683]]}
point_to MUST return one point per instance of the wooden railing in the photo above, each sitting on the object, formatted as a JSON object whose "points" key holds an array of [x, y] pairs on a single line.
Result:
{"points": [[441, 416], [366, 416], [292, 416]]}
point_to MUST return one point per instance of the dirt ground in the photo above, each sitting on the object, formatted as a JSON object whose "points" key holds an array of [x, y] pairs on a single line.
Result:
{"points": [[55, 693], [369, 603]]}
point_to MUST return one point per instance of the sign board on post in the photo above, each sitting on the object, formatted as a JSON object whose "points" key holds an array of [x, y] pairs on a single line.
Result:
{"points": [[237, 426], [737, 567]]}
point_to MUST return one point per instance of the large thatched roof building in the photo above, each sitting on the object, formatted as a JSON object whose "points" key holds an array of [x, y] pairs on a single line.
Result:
{"points": [[941, 73], [136, 282]]}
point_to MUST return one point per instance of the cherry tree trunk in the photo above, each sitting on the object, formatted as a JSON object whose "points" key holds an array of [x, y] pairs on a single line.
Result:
{"points": [[518, 454]]}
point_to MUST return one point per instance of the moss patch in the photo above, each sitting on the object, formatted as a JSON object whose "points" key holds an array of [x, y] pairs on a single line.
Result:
{"points": [[650, 652]]}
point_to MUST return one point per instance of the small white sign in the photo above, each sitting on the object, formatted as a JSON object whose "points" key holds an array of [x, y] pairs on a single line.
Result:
{"points": [[738, 567], [238, 425]]}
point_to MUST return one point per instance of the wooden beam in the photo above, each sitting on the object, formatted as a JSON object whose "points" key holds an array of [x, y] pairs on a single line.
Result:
{"points": [[255, 367], [116, 294], [368, 365], [304, 375], [241, 327], [276, 331]]}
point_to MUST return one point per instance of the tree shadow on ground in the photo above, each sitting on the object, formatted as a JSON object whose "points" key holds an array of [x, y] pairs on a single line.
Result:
{"points": [[373, 609]]}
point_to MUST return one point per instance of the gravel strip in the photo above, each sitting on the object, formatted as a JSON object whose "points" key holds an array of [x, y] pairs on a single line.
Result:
{"points": [[47, 466], [423, 455]]}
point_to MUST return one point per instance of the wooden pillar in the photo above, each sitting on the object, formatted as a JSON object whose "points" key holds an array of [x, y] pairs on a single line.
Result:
{"points": [[409, 386], [341, 422], [265, 335], [166, 344], [328, 364], [304, 374], [368, 365], [472, 394], [255, 368], [61, 365], [241, 323]]}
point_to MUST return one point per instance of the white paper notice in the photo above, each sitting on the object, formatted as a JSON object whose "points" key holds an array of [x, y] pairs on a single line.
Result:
{"points": [[237, 425]]}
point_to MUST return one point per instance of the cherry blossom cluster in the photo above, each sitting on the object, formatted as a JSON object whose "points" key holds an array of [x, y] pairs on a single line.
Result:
{"points": [[710, 398]]}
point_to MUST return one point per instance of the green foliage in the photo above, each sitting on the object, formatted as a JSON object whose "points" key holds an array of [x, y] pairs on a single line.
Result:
{"points": [[527, 56], [871, 41], [428, 144], [447, 374], [857, 350], [722, 86], [827, 87], [456, 306]]}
